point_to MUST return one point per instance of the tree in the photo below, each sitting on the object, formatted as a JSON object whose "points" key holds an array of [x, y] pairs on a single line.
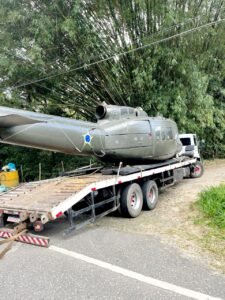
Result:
{"points": [[60, 41]]}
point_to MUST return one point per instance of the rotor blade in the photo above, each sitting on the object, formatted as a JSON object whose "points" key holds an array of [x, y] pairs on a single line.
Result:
{"points": [[16, 120]]}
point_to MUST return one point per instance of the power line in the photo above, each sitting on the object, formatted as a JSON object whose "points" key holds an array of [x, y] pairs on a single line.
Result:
{"points": [[157, 33], [117, 55], [161, 31]]}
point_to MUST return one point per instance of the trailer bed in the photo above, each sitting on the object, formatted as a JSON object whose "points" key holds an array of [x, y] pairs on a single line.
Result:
{"points": [[43, 196], [47, 200]]}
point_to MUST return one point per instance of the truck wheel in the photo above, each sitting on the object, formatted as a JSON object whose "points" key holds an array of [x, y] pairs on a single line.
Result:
{"points": [[197, 170], [131, 201], [150, 194]]}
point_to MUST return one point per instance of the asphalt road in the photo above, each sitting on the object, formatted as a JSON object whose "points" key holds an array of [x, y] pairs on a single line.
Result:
{"points": [[104, 263]]}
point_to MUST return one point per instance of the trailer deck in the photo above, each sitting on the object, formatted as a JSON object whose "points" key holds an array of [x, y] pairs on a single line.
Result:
{"points": [[90, 196], [42, 196]]}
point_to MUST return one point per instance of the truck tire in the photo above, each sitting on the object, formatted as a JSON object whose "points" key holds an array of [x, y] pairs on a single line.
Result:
{"points": [[150, 194], [131, 201], [197, 170]]}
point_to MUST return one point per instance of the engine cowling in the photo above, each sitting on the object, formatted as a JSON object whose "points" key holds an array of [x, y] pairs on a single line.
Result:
{"points": [[114, 112]]}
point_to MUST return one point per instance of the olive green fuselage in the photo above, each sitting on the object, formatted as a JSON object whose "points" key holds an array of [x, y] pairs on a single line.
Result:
{"points": [[131, 138]]}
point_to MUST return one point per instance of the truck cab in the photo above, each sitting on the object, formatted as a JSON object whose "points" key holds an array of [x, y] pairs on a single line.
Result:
{"points": [[189, 145]]}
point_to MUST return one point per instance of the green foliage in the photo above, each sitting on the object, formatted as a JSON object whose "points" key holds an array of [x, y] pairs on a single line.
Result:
{"points": [[182, 78], [212, 204], [52, 164]]}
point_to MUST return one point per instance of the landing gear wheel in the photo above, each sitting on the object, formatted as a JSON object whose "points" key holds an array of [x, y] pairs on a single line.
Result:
{"points": [[131, 201], [197, 170], [150, 194]]}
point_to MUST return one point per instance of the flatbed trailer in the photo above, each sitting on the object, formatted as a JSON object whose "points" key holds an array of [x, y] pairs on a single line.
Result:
{"points": [[84, 198]]}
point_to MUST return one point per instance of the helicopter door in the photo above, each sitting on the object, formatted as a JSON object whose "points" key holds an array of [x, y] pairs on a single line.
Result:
{"points": [[130, 137], [139, 134], [164, 142], [139, 138]]}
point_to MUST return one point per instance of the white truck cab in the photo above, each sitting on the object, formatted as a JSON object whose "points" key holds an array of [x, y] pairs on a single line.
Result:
{"points": [[190, 145]]}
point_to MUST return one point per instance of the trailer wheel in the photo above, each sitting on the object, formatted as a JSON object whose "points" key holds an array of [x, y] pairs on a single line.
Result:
{"points": [[197, 170], [150, 194], [131, 201]]}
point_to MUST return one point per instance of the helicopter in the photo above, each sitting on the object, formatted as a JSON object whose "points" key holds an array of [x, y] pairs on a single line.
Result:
{"points": [[121, 133]]}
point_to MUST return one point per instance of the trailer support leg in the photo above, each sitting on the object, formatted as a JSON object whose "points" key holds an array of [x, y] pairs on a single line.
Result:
{"points": [[93, 205], [70, 217], [91, 209], [1, 220], [117, 200]]}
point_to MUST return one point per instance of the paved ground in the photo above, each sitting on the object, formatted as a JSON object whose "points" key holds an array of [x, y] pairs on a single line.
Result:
{"points": [[173, 221], [118, 258], [28, 272]]}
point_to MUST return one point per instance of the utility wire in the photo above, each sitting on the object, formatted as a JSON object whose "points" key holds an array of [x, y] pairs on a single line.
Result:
{"points": [[117, 55], [156, 33]]}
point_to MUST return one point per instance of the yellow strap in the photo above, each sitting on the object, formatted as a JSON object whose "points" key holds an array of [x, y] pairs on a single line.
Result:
{"points": [[6, 249], [10, 240]]}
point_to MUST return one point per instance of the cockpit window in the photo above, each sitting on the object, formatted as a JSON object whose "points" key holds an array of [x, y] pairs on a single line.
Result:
{"points": [[169, 133], [157, 134], [163, 135]]}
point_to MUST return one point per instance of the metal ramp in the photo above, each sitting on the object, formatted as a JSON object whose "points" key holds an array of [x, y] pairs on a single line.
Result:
{"points": [[30, 200], [32, 204]]}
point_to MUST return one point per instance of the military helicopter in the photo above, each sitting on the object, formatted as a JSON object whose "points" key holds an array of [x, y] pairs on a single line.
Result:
{"points": [[121, 133]]}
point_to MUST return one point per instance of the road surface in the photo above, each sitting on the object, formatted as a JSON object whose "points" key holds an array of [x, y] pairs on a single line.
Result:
{"points": [[118, 258]]}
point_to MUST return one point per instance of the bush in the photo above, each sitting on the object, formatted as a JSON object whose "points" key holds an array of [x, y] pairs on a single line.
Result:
{"points": [[29, 159], [212, 204]]}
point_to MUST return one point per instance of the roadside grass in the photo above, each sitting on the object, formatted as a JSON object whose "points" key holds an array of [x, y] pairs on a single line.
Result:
{"points": [[211, 218], [211, 203]]}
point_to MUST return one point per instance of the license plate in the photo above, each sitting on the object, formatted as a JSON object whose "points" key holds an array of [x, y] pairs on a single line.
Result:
{"points": [[13, 219]]}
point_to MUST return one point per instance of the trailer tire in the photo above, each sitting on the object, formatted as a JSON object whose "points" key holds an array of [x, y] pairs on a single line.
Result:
{"points": [[131, 201], [150, 194], [197, 170]]}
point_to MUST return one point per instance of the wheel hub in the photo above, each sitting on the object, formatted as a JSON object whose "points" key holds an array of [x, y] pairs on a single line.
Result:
{"points": [[197, 170], [134, 201], [151, 195]]}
